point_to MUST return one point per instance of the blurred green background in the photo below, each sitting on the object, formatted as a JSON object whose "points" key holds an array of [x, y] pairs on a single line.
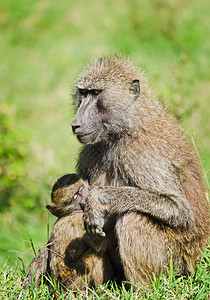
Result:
{"points": [[44, 44]]}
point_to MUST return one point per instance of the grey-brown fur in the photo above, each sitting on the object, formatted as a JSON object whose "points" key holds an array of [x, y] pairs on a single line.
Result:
{"points": [[71, 256], [142, 170]]}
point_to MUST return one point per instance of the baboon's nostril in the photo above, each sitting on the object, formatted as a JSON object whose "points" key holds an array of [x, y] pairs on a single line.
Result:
{"points": [[75, 127]]}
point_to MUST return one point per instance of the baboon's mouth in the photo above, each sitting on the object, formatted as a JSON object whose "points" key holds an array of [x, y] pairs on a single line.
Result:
{"points": [[86, 137], [85, 134]]}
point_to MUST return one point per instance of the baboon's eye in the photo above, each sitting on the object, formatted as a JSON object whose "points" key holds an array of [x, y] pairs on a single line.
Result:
{"points": [[83, 92], [96, 92]]}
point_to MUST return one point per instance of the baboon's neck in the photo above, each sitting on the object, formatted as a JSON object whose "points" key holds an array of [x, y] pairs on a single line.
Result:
{"points": [[101, 163]]}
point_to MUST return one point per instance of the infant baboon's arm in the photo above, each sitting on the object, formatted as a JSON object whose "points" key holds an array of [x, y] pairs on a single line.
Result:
{"points": [[37, 268]]}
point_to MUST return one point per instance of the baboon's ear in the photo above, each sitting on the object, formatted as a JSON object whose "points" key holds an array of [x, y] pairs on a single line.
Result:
{"points": [[50, 206], [136, 87]]}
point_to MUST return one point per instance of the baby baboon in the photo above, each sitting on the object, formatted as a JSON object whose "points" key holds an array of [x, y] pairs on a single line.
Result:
{"points": [[71, 256], [143, 171]]}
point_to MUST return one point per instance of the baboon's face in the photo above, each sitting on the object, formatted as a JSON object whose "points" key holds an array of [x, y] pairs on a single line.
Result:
{"points": [[105, 98], [89, 123], [102, 112]]}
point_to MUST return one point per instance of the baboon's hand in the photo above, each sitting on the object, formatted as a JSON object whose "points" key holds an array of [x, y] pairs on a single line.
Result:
{"points": [[96, 209]]}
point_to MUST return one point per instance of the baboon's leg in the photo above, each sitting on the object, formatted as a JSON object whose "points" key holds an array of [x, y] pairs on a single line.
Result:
{"points": [[91, 268], [144, 247]]}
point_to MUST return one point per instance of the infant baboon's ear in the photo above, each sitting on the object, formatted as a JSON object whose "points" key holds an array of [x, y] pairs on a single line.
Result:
{"points": [[136, 87], [51, 207]]}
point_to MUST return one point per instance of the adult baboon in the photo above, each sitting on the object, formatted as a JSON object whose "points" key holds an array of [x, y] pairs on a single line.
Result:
{"points": [[71, 255], [143, 170]]}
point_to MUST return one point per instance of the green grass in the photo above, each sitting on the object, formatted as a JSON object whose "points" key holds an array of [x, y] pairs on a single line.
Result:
{"points": [[44, 45], [169, 286]]}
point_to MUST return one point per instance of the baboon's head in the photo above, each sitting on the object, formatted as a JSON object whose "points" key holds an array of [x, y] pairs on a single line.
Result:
{"points": [[106, 98]]}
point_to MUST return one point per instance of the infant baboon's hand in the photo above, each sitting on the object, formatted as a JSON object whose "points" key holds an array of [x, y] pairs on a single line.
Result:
{"points": [[96, 209]]}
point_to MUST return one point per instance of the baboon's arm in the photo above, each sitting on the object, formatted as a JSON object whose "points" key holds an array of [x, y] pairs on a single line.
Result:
{"points": [[171, 209]]}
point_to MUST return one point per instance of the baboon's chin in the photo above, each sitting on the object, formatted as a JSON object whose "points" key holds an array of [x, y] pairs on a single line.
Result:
{"points": [[88, 138]]}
